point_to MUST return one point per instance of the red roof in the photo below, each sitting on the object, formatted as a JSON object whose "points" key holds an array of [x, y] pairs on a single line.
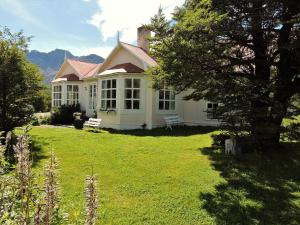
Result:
{"points": [[140, 53], [83, 68], [128, 67]]}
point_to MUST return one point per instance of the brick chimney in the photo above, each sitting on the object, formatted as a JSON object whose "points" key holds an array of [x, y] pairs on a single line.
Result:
{"points": [[142, 38]]}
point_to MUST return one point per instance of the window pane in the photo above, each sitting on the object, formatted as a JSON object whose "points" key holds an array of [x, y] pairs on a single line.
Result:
{"points": [[172, 95], [104, 84], [136, 94], [103, 104], [167, 95], [108, 83], [128, 83], [108, 93], [114, 83], [209, 105], [128, 93], [136, 104], [113, 104], [108, 106], [75, 88], [103, 94], [136, 83], [167, 105], [215, 105], [69, 87], [114, 94], [161, 95], [161, 105], [127, 104], [173, 105]]}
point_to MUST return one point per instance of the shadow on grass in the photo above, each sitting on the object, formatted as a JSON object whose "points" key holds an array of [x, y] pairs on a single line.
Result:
{"points": [[157, 132], [37, 152], [259, 189]]}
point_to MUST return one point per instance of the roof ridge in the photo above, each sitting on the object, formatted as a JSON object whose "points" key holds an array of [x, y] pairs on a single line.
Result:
{"points": [[77, 60]]}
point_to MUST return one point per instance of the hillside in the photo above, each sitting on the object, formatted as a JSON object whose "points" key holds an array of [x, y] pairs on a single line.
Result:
{"points": [[51, 61]]}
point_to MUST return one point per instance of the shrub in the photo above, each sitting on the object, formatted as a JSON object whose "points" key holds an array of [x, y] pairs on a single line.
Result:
{"points": [[219, 139], [78, 123], [64, 114], [41, 118]]}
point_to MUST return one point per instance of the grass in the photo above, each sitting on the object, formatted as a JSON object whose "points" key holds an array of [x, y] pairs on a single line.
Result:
{"points": [[172, 177]]}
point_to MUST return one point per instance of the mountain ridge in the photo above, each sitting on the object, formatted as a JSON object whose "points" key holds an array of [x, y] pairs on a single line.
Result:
{"points": [[50, 62]]}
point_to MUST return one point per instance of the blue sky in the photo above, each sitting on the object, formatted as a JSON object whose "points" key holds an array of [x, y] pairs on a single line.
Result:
{"points": [[80, 26]]}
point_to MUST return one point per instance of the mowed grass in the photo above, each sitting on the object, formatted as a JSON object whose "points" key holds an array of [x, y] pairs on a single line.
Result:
{"points": [[172, 177], [144, 177]]}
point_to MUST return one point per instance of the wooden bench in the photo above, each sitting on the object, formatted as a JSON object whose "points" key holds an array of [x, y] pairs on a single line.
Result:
{"points": [[92, 122], [173, 120]]}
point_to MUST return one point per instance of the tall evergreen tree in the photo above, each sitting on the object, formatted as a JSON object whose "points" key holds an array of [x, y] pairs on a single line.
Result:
{"points": [[20, 81], [244, 54]]}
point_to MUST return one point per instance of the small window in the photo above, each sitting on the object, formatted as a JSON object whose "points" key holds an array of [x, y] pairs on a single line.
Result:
{"points": [[132, 93], [211, 108], [57, 96], [166, 100], [109, 94]]}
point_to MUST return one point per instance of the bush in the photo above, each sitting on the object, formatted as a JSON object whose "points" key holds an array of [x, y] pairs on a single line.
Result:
{"points": [[41, 118], [64, 114], [78, 123], [219, 139]]}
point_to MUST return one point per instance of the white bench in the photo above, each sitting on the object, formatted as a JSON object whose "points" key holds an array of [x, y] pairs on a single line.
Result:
{"points": [[173, 120], [92, 122]]}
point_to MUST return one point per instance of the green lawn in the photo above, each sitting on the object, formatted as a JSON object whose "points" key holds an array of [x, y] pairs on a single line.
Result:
{"points": [[171, 177]]}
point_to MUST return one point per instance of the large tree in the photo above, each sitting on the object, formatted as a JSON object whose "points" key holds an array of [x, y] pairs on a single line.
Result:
{"points": [[20, 81], [244, 54]]}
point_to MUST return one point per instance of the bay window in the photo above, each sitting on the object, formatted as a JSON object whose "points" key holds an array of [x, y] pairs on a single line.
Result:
{"points": [[108, 94], [72, 94], [57, 95], [132, 93]]}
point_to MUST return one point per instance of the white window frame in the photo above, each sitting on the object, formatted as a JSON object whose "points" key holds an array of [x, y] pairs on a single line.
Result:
{"points": [[106, 97], [210, 106], [72, 95], [57, 95], [92, 96], [133, 89], [168, 104]]}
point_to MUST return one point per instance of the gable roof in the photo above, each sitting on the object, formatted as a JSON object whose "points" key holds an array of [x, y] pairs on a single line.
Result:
{"points": [[139, 53], [83, 68]]}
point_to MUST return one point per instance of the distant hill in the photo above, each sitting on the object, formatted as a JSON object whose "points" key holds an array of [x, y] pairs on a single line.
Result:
{"points": [[50, 62]]}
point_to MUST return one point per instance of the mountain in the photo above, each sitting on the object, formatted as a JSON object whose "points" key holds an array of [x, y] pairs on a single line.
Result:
{"points": [[50, 62]]}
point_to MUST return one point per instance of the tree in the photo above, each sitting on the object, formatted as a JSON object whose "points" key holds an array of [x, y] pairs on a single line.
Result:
{"points": [[244, 54], [20, 81]]}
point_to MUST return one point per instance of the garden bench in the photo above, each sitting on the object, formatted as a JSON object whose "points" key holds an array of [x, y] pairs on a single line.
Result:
{"points": [[92, 122], [173, 120]]}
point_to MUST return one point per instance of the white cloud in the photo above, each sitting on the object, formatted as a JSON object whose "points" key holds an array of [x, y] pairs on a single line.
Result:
{"points": [[102, 51], [17, 9], [127, 16]]}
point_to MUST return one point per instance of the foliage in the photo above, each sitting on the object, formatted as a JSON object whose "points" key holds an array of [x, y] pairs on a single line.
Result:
{"points": [[243, 54], [78, 123], [42, 101], [41, 118], [20, 81], [64, 114], [91, 199]]}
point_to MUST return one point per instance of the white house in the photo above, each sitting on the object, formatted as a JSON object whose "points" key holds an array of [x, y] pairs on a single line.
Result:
{"points": [[120, 93]]}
